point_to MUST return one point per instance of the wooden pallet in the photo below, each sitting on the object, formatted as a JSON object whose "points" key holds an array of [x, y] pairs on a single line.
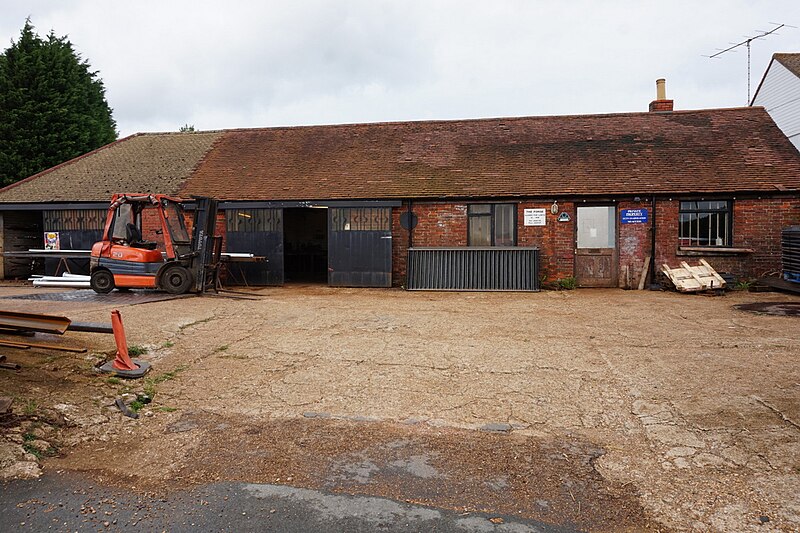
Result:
{"points": [[694, 278]]}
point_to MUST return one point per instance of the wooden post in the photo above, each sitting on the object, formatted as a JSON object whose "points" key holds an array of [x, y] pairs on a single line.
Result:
{"points": [[2, 249], [645, 272]]}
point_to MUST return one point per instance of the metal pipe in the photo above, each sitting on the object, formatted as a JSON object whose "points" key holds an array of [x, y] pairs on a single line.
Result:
{"points": [[410, 236], [653, 246]]}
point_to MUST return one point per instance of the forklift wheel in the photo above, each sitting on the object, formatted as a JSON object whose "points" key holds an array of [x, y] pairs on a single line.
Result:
{"points": [[176, 280], [102, 281]]}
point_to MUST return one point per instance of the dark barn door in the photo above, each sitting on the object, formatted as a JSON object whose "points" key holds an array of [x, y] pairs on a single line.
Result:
{"points": [[259, 232], [360, 247], [77, 229]]}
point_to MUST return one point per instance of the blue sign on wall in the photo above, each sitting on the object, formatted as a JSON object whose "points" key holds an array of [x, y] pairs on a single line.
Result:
{"points": [[633, 216]]}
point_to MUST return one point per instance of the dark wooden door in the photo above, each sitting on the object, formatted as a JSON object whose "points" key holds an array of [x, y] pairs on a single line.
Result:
{"points": [[360, 247], [259, 232], [78, 229], [595, 251]]}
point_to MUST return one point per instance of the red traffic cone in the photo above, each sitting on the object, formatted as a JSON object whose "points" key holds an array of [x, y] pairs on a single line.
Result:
{"points": [[123, 365]]}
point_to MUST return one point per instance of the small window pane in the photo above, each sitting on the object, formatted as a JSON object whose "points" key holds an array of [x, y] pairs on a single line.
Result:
{"points": [[708, 225], [480, 209], [596, 227], [124, 216], [480, 231], [504, 225]]}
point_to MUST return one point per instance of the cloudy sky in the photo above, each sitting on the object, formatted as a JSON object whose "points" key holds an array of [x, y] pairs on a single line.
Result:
{"points": [[236, 64]]}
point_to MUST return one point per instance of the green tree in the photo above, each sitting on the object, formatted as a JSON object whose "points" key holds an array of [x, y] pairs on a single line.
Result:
{"points": [[52, 106]]}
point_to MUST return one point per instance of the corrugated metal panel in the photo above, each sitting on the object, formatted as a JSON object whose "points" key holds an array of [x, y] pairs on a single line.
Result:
{"points": [[473, 269], [790, 245]]}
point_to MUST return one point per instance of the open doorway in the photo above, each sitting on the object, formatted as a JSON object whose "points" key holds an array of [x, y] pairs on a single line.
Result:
{"points": [[305, 244]]}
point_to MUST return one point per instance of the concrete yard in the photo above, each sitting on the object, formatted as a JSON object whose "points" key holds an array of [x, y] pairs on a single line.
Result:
{"points": [[601, 410]]}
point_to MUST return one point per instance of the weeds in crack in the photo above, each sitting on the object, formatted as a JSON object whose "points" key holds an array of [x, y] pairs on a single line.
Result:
{"points": [[196, 322], [135, 349]]}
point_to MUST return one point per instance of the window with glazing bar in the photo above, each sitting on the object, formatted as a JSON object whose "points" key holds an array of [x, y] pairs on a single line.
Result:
{"points": [[492, 224], [705, 223]]}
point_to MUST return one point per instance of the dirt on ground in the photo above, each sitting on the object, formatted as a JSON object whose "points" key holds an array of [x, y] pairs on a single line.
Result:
{"points": [[605, 410]]}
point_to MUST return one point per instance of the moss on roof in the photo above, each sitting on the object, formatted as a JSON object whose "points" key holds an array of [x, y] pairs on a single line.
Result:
{"points": [[145, 162]]}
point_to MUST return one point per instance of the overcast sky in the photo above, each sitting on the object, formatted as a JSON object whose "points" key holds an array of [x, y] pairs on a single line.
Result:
{"points": [[233, 64]]}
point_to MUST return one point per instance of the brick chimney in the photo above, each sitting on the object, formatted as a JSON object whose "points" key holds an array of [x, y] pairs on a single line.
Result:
{"points": [[661, 104]]}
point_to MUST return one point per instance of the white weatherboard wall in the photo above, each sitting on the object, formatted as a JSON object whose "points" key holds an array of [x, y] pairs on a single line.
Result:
{"points": [[780, 96]]}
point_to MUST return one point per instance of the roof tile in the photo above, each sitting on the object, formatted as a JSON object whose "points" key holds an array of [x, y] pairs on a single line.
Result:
{"points": [[724, 150], [144, 162], [790, 61]]}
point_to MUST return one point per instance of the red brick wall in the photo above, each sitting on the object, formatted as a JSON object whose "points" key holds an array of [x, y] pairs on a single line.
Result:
{"points": [[445, 224], [399, 247], [555, 240], [151, 223], [440, 224], [634, 244], [756, 224]]}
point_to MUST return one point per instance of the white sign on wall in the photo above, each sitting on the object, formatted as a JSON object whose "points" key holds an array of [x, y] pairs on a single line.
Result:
{"points": [[535, 217]]}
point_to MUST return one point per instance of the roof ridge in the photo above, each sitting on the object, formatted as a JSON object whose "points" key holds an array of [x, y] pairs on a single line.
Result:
{"points": [[466, 120], [166, 133]]}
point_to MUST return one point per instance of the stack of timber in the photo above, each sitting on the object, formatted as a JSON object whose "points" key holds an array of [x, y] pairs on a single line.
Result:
{"points": [[694, 278], [16, 323]]}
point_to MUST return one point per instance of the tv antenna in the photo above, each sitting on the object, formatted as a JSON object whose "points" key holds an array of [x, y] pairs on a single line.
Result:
{"points": [[746, 43]]}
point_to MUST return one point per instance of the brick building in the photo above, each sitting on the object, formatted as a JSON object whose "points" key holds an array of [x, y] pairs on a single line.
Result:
{"points": [[332, 203]]}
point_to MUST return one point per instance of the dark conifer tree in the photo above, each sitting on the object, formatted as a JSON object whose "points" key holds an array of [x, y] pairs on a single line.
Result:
{"points": [[52, 106]]}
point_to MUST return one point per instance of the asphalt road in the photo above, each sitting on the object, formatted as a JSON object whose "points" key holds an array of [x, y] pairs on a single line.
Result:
{"points": [[66, 501]]}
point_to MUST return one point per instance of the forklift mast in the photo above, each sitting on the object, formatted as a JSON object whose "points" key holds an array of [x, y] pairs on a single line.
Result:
{"points": [[206, 245]]}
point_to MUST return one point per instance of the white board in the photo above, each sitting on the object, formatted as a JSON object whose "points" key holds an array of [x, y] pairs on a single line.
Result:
{"points": [[535, 217]]}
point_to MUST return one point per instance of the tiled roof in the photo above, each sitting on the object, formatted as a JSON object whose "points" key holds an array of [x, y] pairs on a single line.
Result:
{"points": [[723, 150], [790, 61], [145, 162]]}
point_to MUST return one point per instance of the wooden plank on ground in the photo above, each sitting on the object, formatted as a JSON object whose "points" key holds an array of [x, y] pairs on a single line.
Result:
{"points": [[34, 322], [713, 272], [25, 345], [694, 274]]}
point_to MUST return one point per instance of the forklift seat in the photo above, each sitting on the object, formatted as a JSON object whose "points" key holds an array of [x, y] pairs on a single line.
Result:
{"points": [[134, 238]]}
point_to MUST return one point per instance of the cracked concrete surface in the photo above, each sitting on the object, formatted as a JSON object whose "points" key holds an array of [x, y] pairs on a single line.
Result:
{"points": [[691, 400]]}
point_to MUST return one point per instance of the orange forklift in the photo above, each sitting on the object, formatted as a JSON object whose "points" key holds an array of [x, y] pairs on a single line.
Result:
{"points": [[123, 260]]}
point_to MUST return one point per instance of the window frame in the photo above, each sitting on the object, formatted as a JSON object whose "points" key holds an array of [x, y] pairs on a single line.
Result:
{"points": [[491, 215], [693, 241]]}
